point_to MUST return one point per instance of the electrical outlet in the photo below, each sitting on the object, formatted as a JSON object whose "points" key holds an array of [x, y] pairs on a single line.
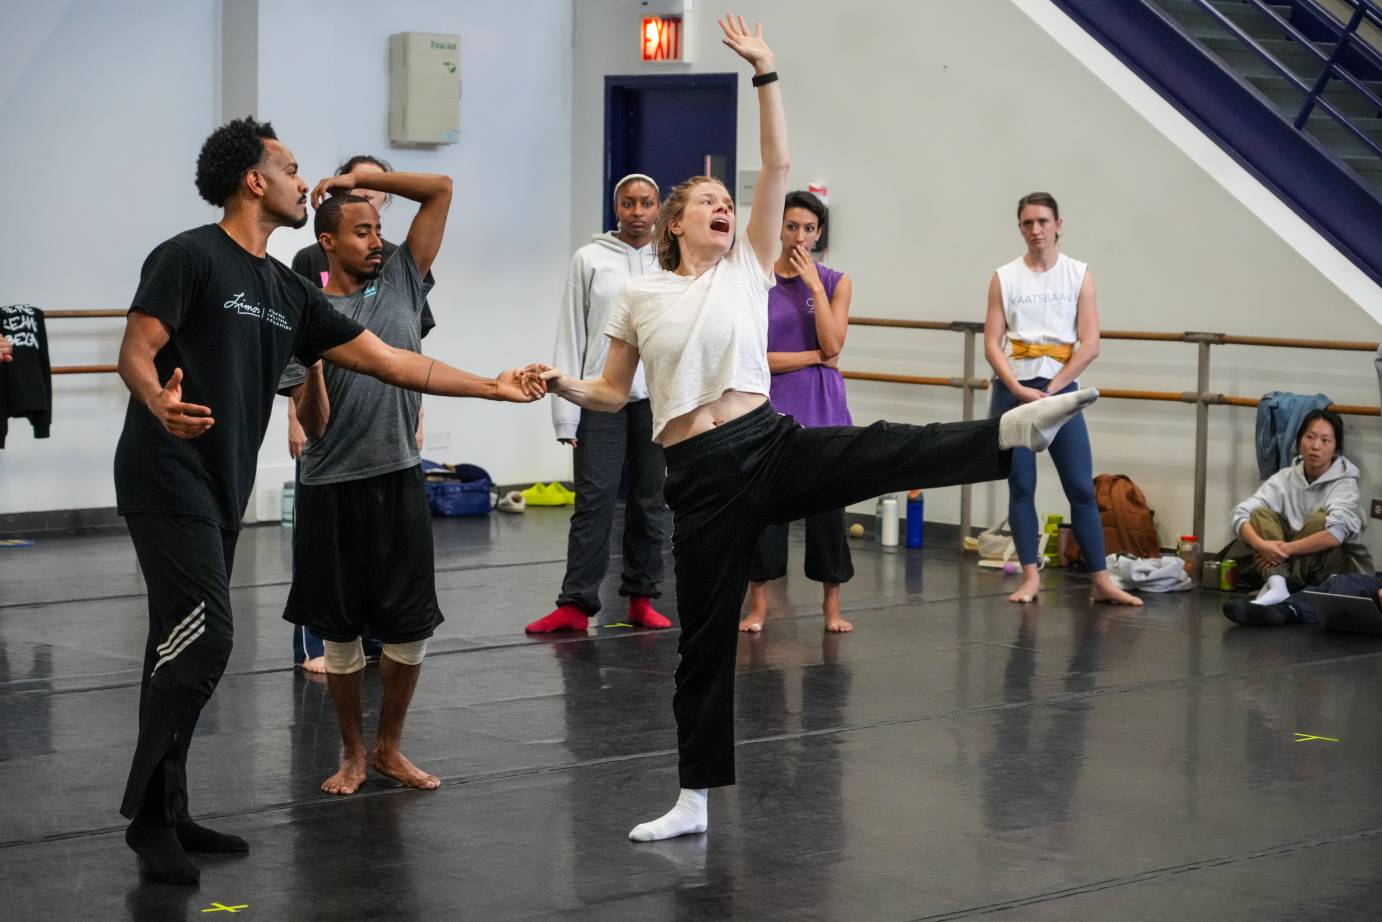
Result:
{"points": [[1377, 509], [437, 438]]}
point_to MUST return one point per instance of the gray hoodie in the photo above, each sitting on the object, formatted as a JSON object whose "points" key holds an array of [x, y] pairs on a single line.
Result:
{"points": [[1289, 495], [598, 273]]}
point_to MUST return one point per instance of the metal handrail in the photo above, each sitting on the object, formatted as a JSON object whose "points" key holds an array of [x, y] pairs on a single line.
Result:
{"points": [[1313, 93], [1202, 397]]}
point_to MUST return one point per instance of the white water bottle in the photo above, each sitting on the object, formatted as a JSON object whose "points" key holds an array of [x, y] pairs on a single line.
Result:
{"points": [[887, 535]]}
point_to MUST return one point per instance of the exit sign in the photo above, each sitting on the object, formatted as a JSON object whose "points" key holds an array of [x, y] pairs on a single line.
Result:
{"points": [[661, 38]]}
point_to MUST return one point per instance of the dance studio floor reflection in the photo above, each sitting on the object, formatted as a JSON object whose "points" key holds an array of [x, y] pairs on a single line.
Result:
{"points": [[953, 757]]}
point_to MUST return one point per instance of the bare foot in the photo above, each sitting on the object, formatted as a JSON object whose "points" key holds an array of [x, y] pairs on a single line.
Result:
{"points": [[1031, 586], [830, 604], [1105, 590], [349, 778], [753, 621], [394, 764], [316, 664]]}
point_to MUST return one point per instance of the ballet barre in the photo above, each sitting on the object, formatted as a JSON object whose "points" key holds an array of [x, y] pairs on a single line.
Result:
{"points": [[1202, 397]]}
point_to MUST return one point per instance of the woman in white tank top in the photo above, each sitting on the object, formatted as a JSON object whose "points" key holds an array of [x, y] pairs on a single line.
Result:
{"points": [[1041, 332], [734, 465]]}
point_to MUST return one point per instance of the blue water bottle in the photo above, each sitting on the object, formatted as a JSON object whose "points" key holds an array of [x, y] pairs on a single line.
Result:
{"points": [[916, 509]]}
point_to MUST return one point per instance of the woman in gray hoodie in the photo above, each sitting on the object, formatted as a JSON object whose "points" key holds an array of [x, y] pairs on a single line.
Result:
{"points": [[1304, 523], [608, 445]]}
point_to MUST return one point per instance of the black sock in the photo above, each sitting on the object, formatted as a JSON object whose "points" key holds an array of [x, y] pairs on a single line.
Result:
{"points": [[196, 838], [161, 858]]}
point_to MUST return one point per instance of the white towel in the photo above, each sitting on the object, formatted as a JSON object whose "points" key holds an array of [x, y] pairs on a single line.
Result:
{"points": [[1150, 574]]}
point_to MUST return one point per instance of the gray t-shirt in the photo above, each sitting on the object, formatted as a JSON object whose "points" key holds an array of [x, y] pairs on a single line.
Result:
{"points": [[373, 425]]}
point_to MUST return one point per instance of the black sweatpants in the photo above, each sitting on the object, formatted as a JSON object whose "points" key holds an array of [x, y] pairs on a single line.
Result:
{"points": [[724, 485], [606, 445], [827, 550], [186, 562]]}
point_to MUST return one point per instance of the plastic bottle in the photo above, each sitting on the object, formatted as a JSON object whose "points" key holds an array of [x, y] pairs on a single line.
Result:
{"points": [[888, 534], [1052, 529], [878, 521], [916, 518], [1188, 550], [287, 503]]}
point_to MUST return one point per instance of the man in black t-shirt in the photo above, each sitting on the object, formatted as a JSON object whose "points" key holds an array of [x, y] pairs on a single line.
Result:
{"points": [[211, 328]]}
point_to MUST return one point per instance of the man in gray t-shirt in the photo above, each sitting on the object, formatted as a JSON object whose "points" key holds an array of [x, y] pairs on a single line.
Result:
{"points": [[363, 532]]}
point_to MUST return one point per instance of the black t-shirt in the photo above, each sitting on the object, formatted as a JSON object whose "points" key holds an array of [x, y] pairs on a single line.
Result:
{"points": [[236, 320], [310, 262]]}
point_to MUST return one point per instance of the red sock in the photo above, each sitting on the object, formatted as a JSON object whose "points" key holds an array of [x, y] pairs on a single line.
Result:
{"points": [[641, 612], [562, 618]]}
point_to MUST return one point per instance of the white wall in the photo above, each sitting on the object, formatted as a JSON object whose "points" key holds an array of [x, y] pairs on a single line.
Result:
{"points": [[501, 267], [100, 151], [928, 120], [103, 108]]}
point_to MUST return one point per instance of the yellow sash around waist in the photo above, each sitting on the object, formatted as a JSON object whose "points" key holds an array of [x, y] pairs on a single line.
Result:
{"points": [[1061, 352]]}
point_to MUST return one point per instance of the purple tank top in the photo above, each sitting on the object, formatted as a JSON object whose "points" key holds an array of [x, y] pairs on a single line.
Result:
{"points": [[815, 395]]}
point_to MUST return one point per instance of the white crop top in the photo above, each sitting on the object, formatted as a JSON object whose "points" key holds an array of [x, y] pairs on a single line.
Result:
{"points": [[1040, 307], [698, 337]]}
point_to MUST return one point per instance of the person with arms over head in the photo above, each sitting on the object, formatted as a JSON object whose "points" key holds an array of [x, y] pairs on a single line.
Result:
{"points": [[362, 528], [734, 465], [1043, 306], [609, 446], [311, 263], [808, 319], [1305, 523], [211, 327]]}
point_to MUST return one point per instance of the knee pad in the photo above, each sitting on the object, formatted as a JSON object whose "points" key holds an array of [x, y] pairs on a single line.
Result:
{"points": [[344, 658], [409, 654]]}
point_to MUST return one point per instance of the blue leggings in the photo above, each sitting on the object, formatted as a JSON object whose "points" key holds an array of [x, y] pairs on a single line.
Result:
{"points": [[1070, 452]]}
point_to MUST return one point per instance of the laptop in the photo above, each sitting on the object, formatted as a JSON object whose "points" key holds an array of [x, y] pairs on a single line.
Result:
{"points": [[1347, 612]]}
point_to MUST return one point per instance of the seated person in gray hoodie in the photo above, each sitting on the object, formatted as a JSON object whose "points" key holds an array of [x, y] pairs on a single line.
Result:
{"points": [[1304, 524]]}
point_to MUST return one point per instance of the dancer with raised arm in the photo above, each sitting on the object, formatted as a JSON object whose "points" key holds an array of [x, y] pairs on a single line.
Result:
{"points": [[733, 464]]}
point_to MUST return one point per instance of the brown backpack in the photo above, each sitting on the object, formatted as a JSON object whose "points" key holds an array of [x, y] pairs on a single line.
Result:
{"points": [[1129, 523]]}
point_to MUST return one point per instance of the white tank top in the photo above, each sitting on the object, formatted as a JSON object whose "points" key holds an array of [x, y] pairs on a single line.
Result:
{"points": [[1040, 307], [698, 337]]}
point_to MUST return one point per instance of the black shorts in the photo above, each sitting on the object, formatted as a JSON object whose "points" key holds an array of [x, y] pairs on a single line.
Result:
{"points": [[364, 560]]}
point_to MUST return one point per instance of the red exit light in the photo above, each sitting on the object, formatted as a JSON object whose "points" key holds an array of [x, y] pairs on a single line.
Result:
{"points": [[660, 38]]}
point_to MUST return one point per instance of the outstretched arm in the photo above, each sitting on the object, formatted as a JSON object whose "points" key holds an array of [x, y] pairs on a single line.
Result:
{"points": [[145, 335], [369, 355], [431, 190], [604, 394], [765, 222]]}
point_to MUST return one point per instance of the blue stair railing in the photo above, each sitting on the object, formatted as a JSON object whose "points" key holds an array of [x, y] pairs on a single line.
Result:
{"points": [[1305, 174], [1332, 66]]}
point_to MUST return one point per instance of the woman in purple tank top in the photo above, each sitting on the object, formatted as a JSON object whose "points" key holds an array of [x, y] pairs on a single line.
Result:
{"points": [[808, 317]]}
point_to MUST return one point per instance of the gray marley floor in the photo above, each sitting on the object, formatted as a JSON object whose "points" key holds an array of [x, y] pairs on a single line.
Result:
{"points": [[954, 757]]}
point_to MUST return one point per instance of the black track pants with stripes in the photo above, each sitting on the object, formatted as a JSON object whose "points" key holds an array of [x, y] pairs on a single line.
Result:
{"points": [[186, 563]]}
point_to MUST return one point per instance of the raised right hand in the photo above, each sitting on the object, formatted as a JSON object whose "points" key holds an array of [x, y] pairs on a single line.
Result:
{"points": [[184, 420], [748, 45]]}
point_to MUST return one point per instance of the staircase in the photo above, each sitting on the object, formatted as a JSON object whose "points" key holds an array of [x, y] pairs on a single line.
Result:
{"points": [[1215, 37], [1250, 74]]}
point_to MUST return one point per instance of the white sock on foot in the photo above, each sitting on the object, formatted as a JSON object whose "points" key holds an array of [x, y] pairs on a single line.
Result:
{"points": [[1033, 425], [1275, 591], [687, 817]]}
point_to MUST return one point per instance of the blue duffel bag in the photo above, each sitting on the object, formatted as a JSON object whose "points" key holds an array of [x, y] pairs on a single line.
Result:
{"points": [[458, 489]]}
